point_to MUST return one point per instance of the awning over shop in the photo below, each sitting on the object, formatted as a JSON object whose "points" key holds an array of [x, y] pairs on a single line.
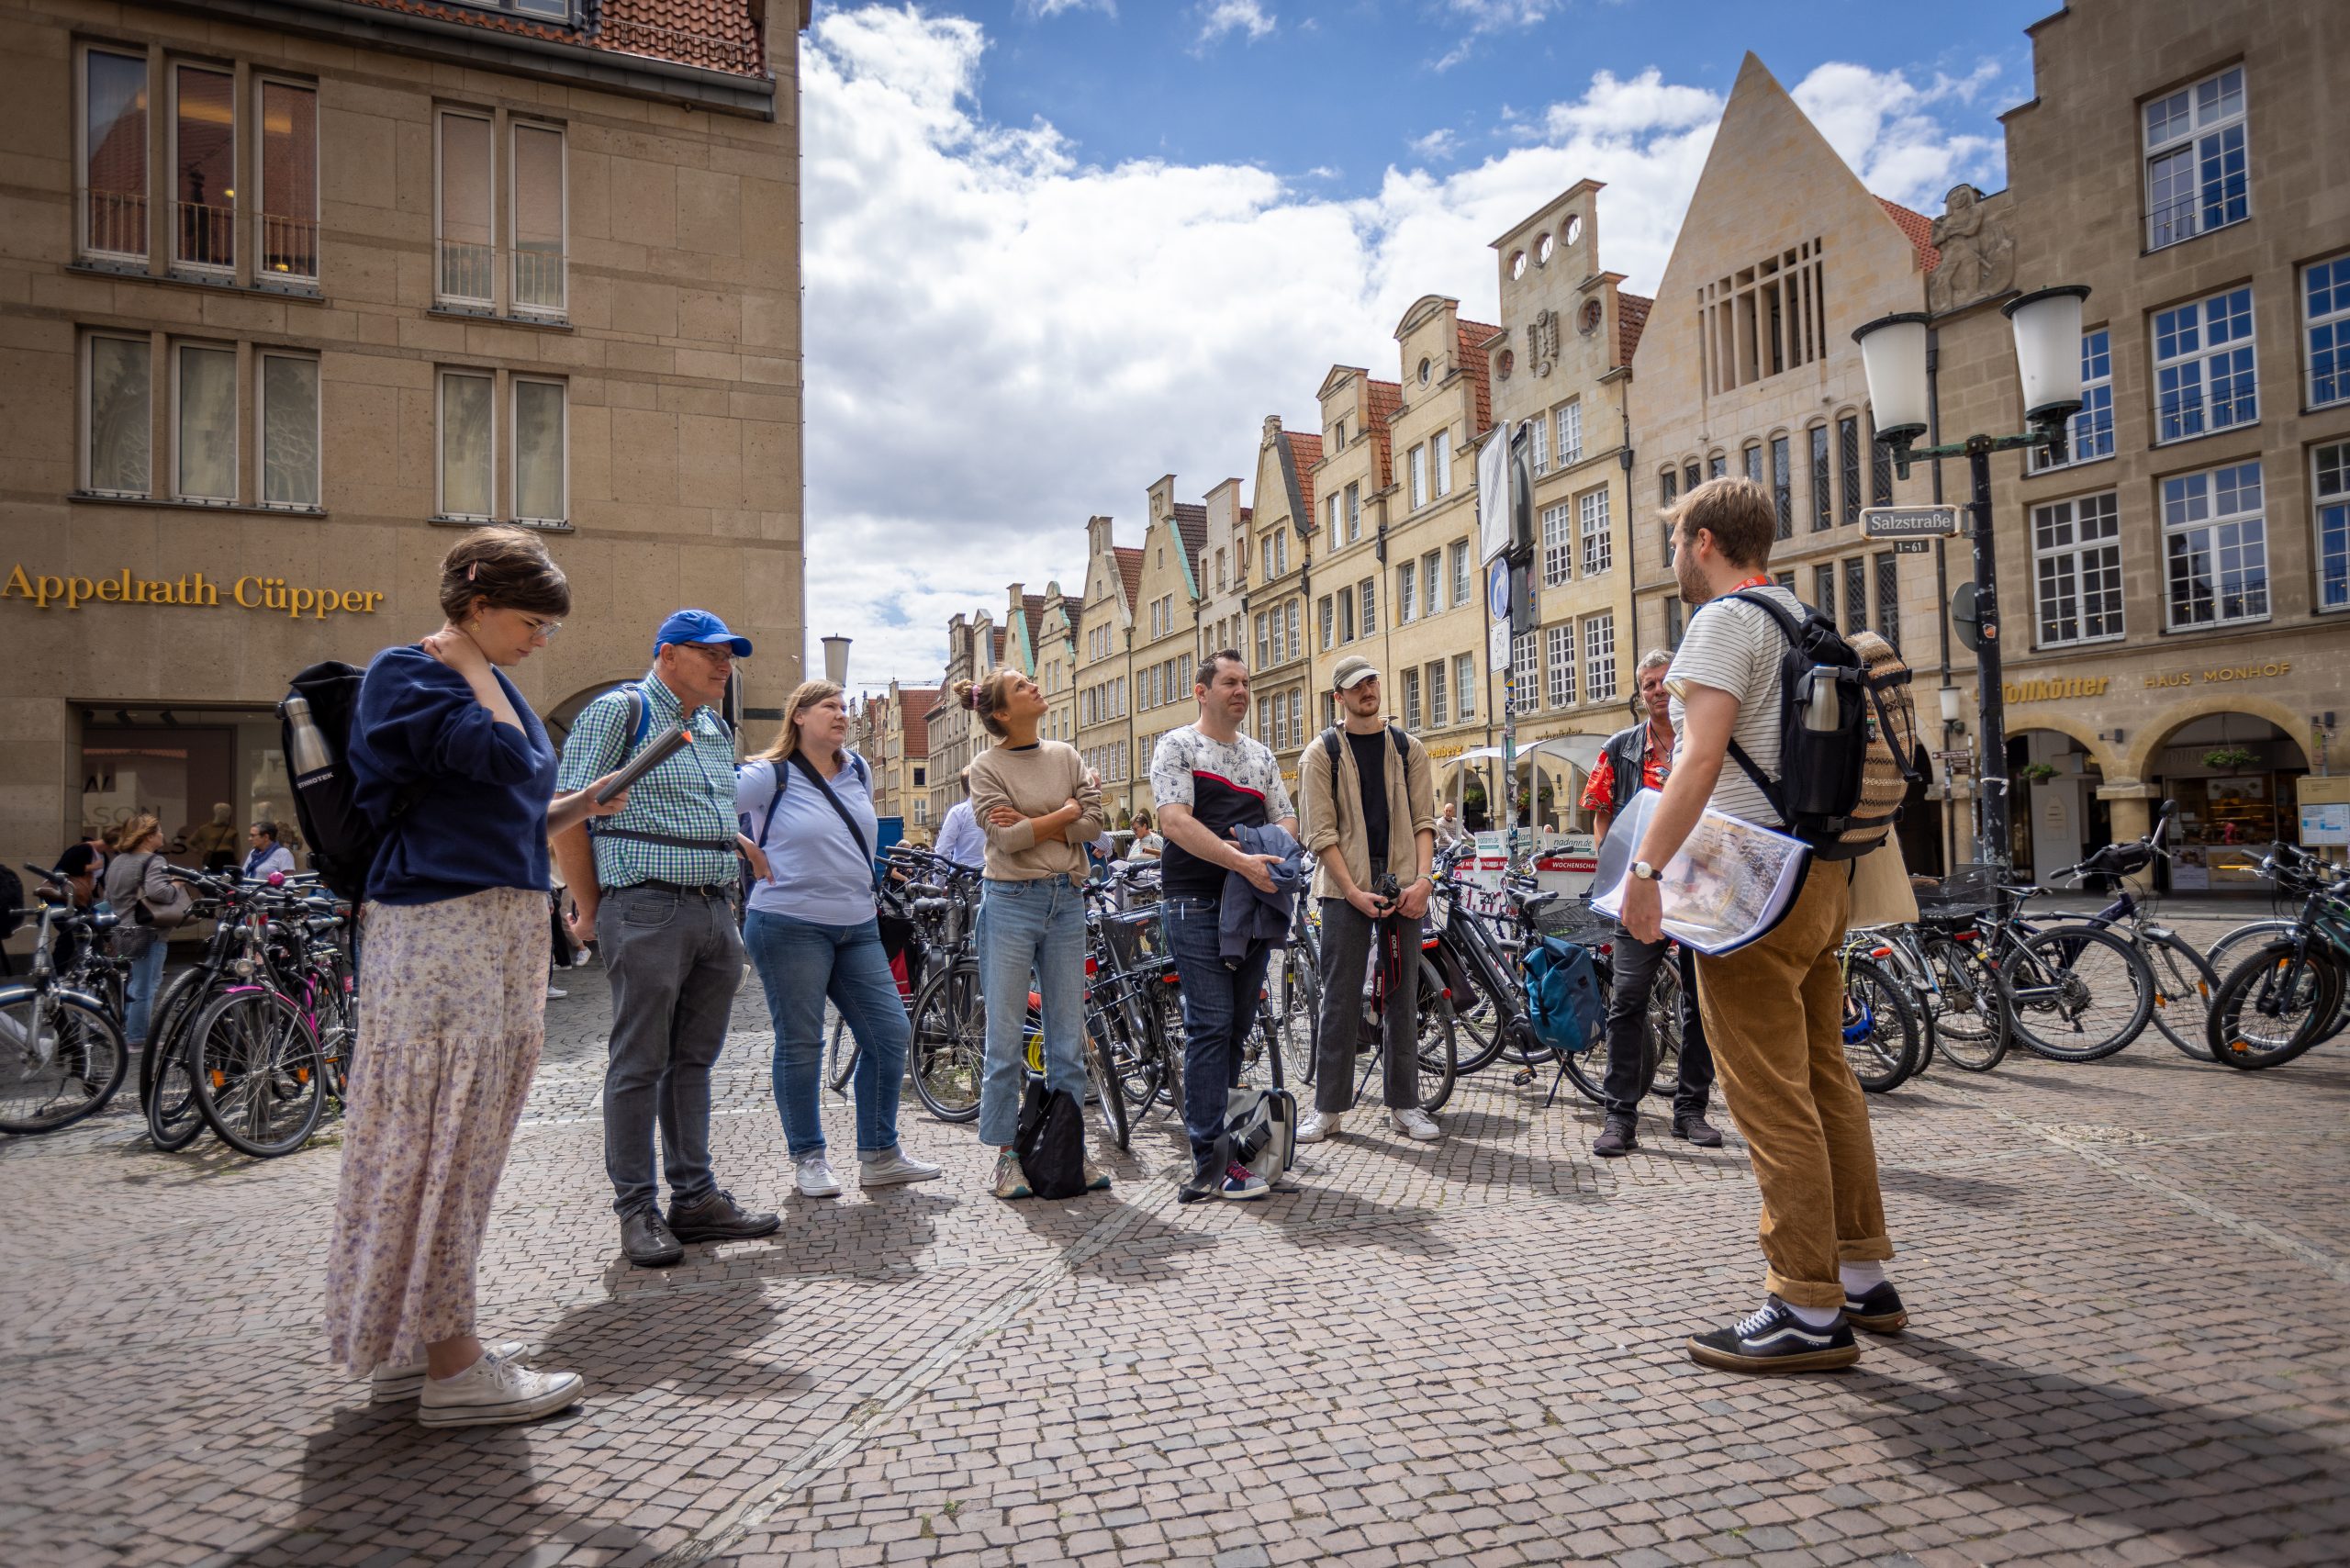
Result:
{"points": [[1582, 751]]}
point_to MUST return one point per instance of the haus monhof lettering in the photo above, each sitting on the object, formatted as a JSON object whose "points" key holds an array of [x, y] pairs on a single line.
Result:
{"points": [[2265, 671], [194, 590]]}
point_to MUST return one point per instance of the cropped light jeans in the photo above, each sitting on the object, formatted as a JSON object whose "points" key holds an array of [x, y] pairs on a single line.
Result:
{"points": [[1031, 928]]}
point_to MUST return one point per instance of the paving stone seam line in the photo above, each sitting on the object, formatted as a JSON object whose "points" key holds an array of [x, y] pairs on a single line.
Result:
{"points": [[2226, 1219], [850, 1433]]}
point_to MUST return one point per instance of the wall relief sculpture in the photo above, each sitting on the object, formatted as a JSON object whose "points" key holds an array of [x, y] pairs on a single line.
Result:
{"points": [[1542, 341], [1978, 259]]}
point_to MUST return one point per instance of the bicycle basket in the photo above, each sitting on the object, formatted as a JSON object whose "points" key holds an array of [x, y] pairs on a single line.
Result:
{"points": [[1137, 939], [1573, 919], [1968, 890]]}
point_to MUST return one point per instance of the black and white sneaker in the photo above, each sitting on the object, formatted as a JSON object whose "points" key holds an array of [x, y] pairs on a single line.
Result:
{"points": [[1877, 1309], [1774, 1339]]}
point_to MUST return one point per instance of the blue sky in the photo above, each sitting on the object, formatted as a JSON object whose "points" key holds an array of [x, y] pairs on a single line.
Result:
{"points": [[1054, 249]]}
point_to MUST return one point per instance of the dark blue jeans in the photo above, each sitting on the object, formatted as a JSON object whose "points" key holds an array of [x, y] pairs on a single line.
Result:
{"points": [[801, 963], [1219, 1009]]}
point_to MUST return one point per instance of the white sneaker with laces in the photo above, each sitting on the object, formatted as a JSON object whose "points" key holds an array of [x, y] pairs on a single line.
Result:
{"points": [[1315, 1125], [1415, 1123], [391, 1385], [556, 993], [493, 1392], [893, 1167], [816, 1178]]}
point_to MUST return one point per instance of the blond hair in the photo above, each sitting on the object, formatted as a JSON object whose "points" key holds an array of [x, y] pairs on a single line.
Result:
{"points": [[137, 831], [804, 696]]}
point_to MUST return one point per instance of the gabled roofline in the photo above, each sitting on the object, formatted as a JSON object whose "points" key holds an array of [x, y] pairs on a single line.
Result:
{"points": [[1539, 213]]}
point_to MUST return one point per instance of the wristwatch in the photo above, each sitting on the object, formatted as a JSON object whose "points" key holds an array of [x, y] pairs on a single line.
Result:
{"points": [[1646, 872]]}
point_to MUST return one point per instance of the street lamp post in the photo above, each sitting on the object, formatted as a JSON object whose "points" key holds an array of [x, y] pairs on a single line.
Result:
{"points": [[2047, 327]]}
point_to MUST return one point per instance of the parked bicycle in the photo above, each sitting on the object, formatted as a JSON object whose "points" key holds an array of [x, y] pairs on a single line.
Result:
{"points": [[61, 1050], [2289, 993]]}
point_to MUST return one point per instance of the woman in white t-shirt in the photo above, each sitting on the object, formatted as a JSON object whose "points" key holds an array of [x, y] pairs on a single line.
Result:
{"points": [[1148, 845]]}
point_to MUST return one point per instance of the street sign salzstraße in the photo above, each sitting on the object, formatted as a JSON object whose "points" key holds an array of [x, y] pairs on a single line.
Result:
{"points": [[1908, 522]]}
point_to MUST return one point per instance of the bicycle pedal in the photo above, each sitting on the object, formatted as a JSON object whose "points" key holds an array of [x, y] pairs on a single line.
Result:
{"points": [[1523, 1076]]}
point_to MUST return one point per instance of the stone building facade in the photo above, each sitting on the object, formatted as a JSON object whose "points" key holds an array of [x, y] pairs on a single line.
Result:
{"points": [[974, 646], [1280, 584], [1223, 572], [899, 723], [2175, 597], [1057, 663], [295, 293], [1747, 365], [1166, 633], [1104, 696]]}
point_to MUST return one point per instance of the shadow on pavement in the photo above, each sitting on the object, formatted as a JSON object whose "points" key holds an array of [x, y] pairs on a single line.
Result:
{"points": [[702, 1348], [1942, 1187]]}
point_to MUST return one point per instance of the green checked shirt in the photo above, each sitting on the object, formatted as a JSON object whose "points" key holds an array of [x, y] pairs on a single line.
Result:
{"points": [[689, 796]]}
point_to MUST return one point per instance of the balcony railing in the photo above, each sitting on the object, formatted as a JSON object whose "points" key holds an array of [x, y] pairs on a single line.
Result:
{"points": [[114, 222], [540, 278], [2196, 214], [285, 250], [465, 277], [204, 235]]}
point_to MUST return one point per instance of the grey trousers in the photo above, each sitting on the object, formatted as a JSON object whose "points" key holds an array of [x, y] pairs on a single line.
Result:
{"points": [[1347, 946], [675, 961]]}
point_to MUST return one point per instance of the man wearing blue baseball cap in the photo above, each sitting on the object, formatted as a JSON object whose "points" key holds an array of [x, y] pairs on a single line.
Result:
{"points": [[654, 885]]}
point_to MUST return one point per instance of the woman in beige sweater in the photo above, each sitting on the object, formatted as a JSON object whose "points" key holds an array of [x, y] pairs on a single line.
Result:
{"points": [[1040, 807]]}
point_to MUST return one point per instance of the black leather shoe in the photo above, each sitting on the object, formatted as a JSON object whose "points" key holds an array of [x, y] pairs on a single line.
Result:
{"points": [[647, 1241], [1877, 1309], [1697, 1130], [1619, 1138], [717, 1217]]}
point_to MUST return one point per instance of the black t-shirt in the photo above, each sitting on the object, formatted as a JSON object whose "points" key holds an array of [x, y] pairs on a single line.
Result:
{"points": [[1370, 761]]}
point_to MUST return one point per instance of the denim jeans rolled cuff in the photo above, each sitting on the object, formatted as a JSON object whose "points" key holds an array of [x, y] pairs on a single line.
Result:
{"points": [[1219, 1004], [673, 960], [138, 999], [1030, 931], [801, 963]]}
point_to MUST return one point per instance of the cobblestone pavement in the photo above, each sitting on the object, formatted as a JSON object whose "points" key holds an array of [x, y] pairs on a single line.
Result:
{"points": [[2129, 1284]]}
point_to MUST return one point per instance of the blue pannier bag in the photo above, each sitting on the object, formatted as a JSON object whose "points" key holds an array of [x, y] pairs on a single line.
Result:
{"points": [[1562, 1000]]}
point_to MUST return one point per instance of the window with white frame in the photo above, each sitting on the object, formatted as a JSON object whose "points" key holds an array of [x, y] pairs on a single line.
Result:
{"points": [[1599, 657], [468, 445], [1280, 552], [464, 254], [1330, 505], [118, 425], [1557, 544], [204, 422], [1368, 589], [1264, 648], [1346, 615], [1462, 588], [2090, 434], [1569, 422], [112, 128], [2076, 560], [541, 462], [1464, 681], [1558, 665], [1411, 699], [2204, 375], [1291, 614], [1431, 582], [1598, 540], [1542, 447], [1526, 672], [204, 166], [1328, 620], [2325, 318], [1438, 717], [2199, 172], [288, 411], [538, 192], [2331, 490], [2215, 547], [1416, 465], [286, 206], [1407, 592], [1440, 463], [1354, 513]]}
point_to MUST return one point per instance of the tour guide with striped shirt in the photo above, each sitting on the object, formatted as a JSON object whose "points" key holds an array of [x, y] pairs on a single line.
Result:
{"points": [[656, 889]]}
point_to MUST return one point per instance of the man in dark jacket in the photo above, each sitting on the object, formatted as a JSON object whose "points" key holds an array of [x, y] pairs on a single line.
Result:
{"points": [[1633, 760]]}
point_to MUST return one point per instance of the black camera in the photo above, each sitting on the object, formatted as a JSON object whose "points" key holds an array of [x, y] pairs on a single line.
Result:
{"points": [[1386, 889]]}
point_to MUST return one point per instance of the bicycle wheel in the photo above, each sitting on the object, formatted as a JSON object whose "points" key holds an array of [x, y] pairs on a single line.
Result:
{"points": [[60, 1059], [1138, 1064], [840, 1062], [2222, 957], [172, 1119], [2183, 988], [172, 1012], [2274, 1006], [1297, 1013], [1104, 1070], [2076, 992], [950, 1035], [1435, 1048], [1165, 1001], [1970, 1009], [1880, 1027], [260, 1082], [1664, 1031]]}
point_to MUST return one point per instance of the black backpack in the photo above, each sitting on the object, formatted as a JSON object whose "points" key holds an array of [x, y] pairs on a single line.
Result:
{"points": [[1841, 774], [1051, 1142], [1332, 739], [343, 840]]}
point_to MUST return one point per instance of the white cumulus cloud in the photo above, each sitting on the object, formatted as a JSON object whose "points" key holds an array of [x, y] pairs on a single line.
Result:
{"points": [[1005, 337], [1235, 16]]}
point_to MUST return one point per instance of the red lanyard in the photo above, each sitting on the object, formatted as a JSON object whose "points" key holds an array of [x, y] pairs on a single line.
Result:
{"points": [[1751, 582]]}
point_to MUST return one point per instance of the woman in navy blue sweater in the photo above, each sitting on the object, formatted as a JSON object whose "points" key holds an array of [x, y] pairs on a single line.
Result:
{"points": [[445, 751]]}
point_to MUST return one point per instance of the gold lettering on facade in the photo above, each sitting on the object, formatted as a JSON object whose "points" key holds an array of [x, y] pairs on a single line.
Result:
{"points": [[2056, 689], [193, 591], [2267, 671]]}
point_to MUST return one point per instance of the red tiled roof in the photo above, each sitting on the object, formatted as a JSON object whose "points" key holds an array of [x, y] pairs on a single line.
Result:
{"points": [[1385, 397], [1475, 338], [916, 720], [1032, 605], [716, 35], [1631, 319], [1920, 229], [1129, 572], [1191, 524], [995, 646], [1305, 451]]}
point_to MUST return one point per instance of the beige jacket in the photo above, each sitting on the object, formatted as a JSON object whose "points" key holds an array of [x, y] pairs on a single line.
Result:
{"points": [[1324, 820], [1035, 782]]}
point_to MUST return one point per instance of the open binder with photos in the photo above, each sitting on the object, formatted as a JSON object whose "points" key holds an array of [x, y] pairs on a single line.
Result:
{"points": [[1729, 884]]}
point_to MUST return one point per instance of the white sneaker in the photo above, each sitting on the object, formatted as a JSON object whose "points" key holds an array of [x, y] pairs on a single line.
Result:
{"points": [[893, 1167], [392, 1384], [493, 1392], [556, 993], [1315, 1125], [1415, 1123], [816, 1178]]}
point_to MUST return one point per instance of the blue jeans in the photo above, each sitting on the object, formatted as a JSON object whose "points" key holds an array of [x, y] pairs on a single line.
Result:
{"points": [[1219, 1009], [1031, 928], [146, 981], [801, 963]]}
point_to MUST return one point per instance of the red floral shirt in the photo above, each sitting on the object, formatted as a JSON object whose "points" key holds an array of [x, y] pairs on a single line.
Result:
{"points": [[1656, 767]]}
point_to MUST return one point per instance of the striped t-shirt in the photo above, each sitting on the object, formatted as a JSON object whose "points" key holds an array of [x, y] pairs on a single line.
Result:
{"points": [[1736, 648]]}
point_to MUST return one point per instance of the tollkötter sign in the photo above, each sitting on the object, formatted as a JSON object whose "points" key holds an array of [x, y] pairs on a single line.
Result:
{"points": [[194, 590]]}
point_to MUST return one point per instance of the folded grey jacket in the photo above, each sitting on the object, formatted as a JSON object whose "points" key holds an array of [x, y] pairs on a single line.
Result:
{"points": [[1246, 915]]}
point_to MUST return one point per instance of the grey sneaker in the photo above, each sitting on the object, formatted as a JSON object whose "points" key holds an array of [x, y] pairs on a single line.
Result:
{"points": [[1011, 1182], [893, 1167], [816, 1178], [392, 1384], [1096, 1179], [493, 1392]]}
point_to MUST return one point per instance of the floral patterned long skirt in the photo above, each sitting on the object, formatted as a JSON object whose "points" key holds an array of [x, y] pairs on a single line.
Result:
{"points": [[452, 1016]]}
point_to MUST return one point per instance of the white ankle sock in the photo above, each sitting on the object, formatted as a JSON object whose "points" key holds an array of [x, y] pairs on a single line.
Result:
{"points": [[1816, 1317], [1860, 1278]]}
